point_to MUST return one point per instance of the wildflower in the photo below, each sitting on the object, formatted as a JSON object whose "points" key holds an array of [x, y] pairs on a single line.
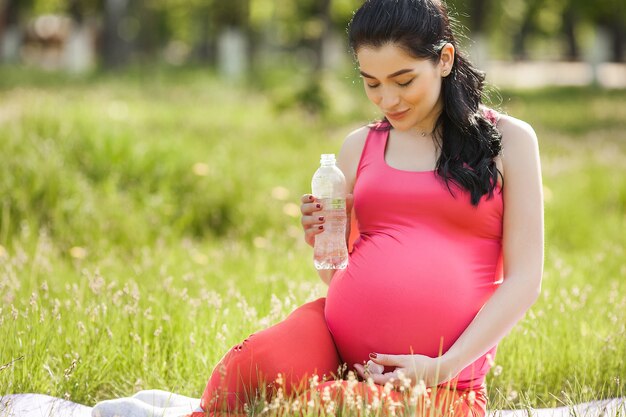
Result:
{"points": [[291, 209], [8, 365], [33, 301], [420, 388], [406, 381], [512, 395], [471, 397], [200, 258], [392, 408], [489, 359], [81, 327], [200, 169], [376, 401], [260, 242], [330, 408], [388, 387], [314, 381], [68, 372], [326, 394], [280, 193], [497, 370], [77, 252], [296, 406], [158, 331], [359, 401]]}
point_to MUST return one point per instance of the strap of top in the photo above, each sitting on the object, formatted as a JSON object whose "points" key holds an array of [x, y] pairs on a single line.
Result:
{"points": [[374, 145], [372, 149]]}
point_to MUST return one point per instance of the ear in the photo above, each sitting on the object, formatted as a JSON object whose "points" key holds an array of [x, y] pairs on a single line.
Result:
{"points": [[446, 59]]}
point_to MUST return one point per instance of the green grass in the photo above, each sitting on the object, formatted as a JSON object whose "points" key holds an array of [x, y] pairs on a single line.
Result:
{"points": [[148, 223]]}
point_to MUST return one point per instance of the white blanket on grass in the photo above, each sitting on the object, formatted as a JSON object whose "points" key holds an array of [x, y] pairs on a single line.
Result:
{"points": [[155, 403]]}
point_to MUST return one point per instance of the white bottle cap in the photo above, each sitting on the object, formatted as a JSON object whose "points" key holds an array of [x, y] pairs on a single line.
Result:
{"points": [[328, 159]]}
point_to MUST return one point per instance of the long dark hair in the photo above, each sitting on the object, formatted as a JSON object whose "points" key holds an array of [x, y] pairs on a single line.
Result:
{"points": [[469, 142]]}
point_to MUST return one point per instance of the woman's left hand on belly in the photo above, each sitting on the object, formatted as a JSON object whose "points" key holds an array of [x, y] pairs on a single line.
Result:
{"points": [[432, 371]]}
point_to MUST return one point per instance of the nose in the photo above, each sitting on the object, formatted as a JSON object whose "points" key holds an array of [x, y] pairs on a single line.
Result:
{"points": [[389, 99]]}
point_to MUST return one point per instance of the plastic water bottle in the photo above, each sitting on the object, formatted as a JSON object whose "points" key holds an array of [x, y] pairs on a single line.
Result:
{"points": [[329, 186]]}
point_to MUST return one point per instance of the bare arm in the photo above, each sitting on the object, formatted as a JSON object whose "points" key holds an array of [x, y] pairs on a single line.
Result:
{"points": [[523, 241]]}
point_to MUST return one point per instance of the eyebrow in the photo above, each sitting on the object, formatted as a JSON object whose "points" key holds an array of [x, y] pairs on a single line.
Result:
{"points": [[395, 74]]}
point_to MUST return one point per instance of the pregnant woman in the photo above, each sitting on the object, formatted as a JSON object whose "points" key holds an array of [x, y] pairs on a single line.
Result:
{"points": [[446, 232]]}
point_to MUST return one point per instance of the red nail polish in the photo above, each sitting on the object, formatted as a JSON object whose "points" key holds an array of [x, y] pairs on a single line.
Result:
{"points": [[321, 227], [310, 198], [318, 205], [320, 218], [373, 356]]}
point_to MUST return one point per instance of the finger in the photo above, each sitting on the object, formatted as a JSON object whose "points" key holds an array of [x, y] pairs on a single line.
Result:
{"points": [[375, 368], [309, 208], [360, 370], [384, 359], [311, 232], [307, 198], [381, 379], [308, 221]]}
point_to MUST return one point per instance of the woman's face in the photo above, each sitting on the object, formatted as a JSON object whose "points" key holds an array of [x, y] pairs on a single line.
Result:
{"points": [[406, 89]]}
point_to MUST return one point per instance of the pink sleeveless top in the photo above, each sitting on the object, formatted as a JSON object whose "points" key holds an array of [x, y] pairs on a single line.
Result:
{"points": [[424, 264]]}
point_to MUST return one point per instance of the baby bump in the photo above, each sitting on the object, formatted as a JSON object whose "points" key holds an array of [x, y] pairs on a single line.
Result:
{"points": [[417, 299]]}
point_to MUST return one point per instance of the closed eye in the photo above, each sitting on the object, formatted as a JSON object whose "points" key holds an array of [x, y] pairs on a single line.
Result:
{"points": [[399, 84]]}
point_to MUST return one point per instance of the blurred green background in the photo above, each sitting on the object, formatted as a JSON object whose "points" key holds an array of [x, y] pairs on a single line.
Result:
{"points": [[152, 156]]}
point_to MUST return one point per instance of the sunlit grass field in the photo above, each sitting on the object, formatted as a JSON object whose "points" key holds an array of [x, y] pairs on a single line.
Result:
{"points": [[149, 222]]}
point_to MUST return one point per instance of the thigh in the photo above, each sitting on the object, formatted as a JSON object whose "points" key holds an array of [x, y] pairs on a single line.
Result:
{"points": [[298, 348]]}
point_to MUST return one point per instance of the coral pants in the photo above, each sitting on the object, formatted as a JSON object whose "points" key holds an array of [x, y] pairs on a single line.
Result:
{"points": [[298, 348]]}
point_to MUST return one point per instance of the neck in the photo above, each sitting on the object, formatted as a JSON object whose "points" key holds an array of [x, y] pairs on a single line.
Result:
{"points": [[426, 128]]}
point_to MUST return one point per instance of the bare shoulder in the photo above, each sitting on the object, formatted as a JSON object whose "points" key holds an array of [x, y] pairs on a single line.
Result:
{"points": [[355, 140], [520, 145], [350, 154]]}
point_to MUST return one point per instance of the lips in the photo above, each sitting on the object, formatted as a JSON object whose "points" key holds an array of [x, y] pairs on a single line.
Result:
{"points": [[397, 115]]}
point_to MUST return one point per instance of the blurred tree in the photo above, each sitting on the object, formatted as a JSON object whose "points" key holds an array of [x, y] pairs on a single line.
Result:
{"points": [[611, 16], [116, 34], [570, 22], [526, 27], [10, 28]]}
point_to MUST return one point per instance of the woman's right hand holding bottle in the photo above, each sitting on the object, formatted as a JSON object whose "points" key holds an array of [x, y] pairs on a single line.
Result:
{"points": [[312, 220], [312, 216]]}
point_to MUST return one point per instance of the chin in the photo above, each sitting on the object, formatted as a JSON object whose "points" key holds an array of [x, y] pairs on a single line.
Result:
{"points": [[400, 125]]}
